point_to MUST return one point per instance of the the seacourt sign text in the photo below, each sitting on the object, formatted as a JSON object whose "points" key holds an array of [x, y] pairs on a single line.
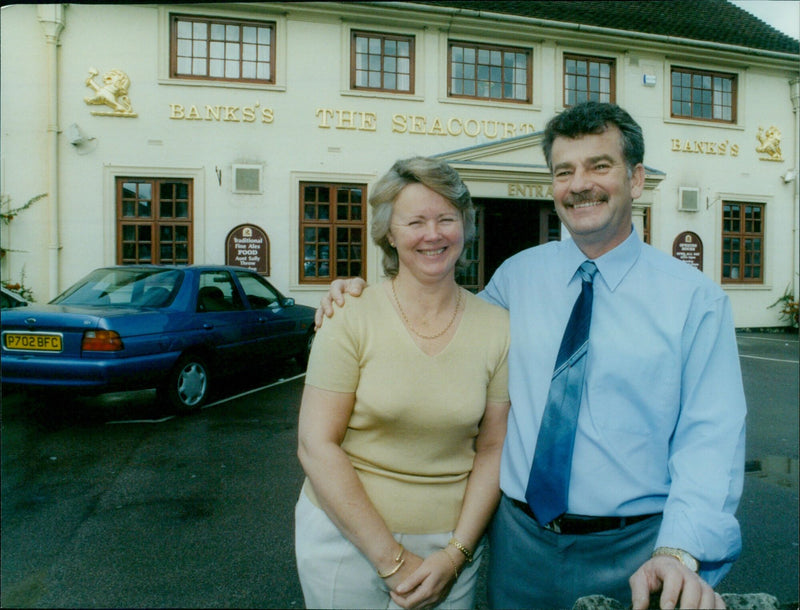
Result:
{"points": [[357, 120]]}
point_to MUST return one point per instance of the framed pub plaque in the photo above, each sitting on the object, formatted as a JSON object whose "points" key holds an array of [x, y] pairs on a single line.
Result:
{"points": [[688, 247], [248, 246]]}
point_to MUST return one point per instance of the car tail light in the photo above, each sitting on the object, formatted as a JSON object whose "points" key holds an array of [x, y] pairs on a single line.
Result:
{"points": [[101, 341]]}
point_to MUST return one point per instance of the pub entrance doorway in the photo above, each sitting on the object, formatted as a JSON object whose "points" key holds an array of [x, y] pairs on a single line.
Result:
{"points": [[504, 227]]}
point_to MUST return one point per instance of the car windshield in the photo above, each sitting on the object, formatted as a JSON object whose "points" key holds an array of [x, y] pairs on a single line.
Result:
{"points": [[123, 288]]}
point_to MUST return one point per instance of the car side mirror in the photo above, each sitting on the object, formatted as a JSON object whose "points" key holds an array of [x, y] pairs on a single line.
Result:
{"points": [[287, 302]]}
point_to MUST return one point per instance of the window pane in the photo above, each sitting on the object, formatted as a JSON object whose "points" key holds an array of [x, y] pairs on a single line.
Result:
{"points": [[379, 63], [743, 242], [156, 239], [705, 95], [225, 41]]}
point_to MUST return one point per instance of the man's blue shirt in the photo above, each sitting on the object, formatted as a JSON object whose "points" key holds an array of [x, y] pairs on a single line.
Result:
{"points": [[662, 418]]}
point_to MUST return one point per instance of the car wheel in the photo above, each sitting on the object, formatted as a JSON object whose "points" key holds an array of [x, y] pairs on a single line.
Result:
{"points": [[302, 357], [187, 386]]}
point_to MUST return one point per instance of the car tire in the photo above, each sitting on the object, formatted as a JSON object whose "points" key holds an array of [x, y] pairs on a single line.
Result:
{"points": [[188, 384]]}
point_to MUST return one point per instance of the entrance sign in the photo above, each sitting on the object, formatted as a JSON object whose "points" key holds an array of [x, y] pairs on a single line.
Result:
{"points": [[688, 247], [248, 246]]}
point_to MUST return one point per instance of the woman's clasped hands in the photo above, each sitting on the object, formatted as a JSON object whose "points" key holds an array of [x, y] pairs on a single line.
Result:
{"points": [[423, 583]]}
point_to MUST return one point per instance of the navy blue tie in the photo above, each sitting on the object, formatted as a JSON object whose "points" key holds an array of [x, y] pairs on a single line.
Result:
{"points": [[548, 483]]}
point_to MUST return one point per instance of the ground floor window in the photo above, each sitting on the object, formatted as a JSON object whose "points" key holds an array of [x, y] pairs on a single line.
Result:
{"points": [[646, 229], [332, 231], [742, 243], [154, 221]]}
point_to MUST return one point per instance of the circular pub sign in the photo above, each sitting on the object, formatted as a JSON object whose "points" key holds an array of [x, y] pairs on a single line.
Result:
{"points": [[248, 246], [688, 247]]}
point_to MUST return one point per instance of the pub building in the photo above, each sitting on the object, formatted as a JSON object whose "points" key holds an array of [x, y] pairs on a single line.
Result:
{"points": [[250, 133]]}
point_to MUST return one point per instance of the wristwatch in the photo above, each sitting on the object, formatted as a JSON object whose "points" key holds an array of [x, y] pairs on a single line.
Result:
{"points": [[679, 554]]}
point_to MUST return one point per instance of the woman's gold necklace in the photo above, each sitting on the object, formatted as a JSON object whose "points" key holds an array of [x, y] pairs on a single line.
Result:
{"points": [[414, 330]]}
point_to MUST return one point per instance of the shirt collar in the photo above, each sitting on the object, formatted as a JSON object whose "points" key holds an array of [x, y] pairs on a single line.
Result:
{"points": [[612, 266]]}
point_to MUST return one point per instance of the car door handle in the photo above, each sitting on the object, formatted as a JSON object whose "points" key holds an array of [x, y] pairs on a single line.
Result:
{"points": [[208, 326], [262, 320]]}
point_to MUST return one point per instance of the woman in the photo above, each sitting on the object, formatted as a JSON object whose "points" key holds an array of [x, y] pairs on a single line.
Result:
{"points": [[403, 414]]}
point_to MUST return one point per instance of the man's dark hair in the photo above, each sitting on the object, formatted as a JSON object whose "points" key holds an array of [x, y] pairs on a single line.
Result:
{"points": [[595, 117]]}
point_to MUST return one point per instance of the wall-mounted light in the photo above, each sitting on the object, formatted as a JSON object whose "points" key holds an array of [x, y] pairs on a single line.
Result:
{"points": [[75, 135], [789, 175]]}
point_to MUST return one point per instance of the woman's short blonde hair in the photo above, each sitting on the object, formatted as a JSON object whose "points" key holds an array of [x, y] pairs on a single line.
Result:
{"points": [[435, 174]]}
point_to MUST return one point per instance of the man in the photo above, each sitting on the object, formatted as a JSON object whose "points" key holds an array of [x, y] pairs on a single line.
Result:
{"points": [[657, 462]]}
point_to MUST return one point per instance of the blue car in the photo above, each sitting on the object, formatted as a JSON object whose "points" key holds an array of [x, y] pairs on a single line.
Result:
{"points": [[174, 328]]}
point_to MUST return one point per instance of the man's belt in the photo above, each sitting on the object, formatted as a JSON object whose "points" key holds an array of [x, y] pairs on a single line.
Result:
{"points": [[582, 524]]}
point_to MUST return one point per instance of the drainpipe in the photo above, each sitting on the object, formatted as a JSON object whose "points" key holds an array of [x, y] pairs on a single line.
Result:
{"points": [[51, 18], [794, 88]]}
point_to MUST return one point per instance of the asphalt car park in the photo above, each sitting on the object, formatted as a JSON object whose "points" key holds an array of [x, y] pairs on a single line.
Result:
{"points": [[111, 501]]}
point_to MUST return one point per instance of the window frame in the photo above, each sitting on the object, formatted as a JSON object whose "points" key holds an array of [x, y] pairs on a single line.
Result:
{"points": [[482, 46], [742, 235], [612, 78], [713, 74], [173, 48], [333, 224], [383, 36], [155, 221]]}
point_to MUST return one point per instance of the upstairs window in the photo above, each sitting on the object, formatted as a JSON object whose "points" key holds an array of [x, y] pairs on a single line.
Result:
{"points": [[489, 72], [382, 62], [222, 49], [588, 79], [707, 96]]}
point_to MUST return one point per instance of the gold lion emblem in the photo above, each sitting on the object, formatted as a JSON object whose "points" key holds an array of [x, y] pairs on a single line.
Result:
{"points": [[770, 143], [113, 93]]}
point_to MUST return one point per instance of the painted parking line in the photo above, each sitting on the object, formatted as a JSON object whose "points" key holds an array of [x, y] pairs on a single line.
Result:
{"points": [[213, 404], [254, 390], [784, 340], [769, 359], [141, 421]]}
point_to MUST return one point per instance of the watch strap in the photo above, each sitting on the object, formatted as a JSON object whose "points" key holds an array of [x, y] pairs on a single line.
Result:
{"points": [[684, 557]]}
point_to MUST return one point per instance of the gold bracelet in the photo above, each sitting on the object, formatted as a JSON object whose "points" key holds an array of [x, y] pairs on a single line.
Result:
{"points": [[400, 561], [462, 548], [452, 563]]}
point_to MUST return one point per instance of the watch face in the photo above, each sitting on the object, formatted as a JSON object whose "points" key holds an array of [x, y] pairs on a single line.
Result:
{"points": [[690, 562]]}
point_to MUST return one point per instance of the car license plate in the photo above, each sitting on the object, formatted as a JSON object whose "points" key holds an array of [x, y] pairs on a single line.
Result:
{"points": [[32, 342]]}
